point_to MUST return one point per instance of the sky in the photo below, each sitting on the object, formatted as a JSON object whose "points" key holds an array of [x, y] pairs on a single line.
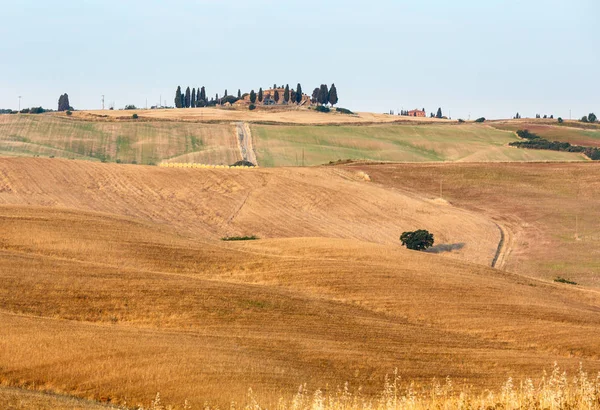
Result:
{"points": [[472, 58]]}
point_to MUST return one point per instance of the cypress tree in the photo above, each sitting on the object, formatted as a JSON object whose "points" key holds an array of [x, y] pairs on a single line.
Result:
{"points": [[276, 98], [315, 96], [203, 93], [333, 97], [225, 95], [193, 97], [217, 98], [239, 93], [439, 113], [323, 97], [293, 96], [252, 96], [298, 93], [188, 98], [274, 87], [178, 97], [63, 103], [260, 95], [286, 94]]}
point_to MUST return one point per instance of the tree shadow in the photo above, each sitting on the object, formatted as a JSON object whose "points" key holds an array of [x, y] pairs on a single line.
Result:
{"points": [[446, 247]]}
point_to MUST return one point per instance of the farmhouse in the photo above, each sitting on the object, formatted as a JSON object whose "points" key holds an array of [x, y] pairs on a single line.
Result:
{"points": [[417, 113]]}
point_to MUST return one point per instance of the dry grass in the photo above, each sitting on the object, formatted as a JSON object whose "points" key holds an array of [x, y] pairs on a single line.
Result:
{"points": [[127, 141], [115, 285], [271, 115], [268, 203], [573, 132], [543, 205]]}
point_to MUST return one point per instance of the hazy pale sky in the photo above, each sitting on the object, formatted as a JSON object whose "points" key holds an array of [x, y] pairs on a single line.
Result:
{"points": [[471, 57]]}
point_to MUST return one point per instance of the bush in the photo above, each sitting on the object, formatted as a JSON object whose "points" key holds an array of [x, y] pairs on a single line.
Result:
{"points": [[563, 280], [584, 119], [130, 107], [343, 110], [417, 240], [481, 119], [322, 108], [243, 163], [240, 238], [134, 116], [560, 120], [460, 120], [69, 112], [252, 107]]}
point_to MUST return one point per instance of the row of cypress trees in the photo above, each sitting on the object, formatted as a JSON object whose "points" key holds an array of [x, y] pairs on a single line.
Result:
{"points": [[191, 98], [197, 97]]}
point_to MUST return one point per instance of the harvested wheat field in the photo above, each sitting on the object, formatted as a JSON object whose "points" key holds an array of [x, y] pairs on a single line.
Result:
{"points": [[116, 285], [278, 115], [551, 212], [124, 141]]}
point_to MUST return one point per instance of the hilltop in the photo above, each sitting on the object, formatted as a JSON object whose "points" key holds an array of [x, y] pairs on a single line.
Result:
{"points": [[279, 137]]}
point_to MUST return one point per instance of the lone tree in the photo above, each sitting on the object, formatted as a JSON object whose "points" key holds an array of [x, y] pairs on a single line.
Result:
{"points": [[417, 240], [286, 94], [333, 97], [439, 113], [591, 118], [63, 102], [178, 97], [252, 97], [188, 98], [298, 93], [239, 93]]}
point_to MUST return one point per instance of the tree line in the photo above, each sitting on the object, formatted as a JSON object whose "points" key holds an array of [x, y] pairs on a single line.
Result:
{"points": [[534, 141], [196, 97]]}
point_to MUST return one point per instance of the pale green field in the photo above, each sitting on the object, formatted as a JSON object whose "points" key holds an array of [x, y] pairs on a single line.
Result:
{"points": [[125, 141], [287, 145]]}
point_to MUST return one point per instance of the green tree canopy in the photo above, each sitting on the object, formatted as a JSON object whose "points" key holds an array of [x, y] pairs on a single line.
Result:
{"points": [[260, 95], [286, 94], [252, 96], [323, 97], [417, 240], [188, 97], [439, 113]]}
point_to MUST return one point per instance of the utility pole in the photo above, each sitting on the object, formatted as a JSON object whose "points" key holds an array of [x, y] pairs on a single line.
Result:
{"points": [[19, 103], [102, 102]]}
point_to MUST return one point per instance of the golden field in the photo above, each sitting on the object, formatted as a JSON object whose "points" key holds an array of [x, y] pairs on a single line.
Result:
{"points": [[116, 285]]}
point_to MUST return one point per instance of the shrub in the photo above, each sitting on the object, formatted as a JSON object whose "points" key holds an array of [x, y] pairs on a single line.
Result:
{"points": [[343, 110], [460, 120], [134, 116], [252, 107], [563, 280], [130, 107], [118, 161], [560, 120], [481, 119], [584, 119], [240, 238], [243, 163], [322, 108], [417, 240], [69, 112]]}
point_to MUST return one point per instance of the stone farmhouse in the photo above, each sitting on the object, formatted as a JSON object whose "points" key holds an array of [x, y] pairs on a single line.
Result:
{"points": [[417, 113]]}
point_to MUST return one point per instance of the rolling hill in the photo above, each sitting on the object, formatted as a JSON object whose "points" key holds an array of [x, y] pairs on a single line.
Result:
{"points": [[289, 137], [119, 273]]}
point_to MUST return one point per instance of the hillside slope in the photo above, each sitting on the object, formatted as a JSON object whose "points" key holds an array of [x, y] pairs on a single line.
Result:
{"points": [[270, 203], [124, 309], [551, 209]]}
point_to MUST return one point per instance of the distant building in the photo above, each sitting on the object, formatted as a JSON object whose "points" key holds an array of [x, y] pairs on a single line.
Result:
{"points": [[417, 113]]}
